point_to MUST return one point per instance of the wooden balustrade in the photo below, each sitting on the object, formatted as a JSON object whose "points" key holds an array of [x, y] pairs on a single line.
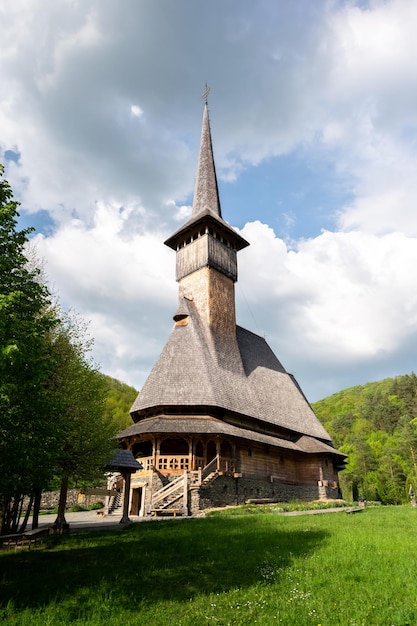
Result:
{"points": [[172, 462], [176, 463], [147, 463]]}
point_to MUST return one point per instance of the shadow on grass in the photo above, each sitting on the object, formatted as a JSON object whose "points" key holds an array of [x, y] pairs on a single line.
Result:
{"points": [[147, 563]]}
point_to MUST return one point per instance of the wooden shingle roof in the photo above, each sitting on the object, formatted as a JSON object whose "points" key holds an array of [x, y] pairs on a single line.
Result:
{"points": [[209, 425], [241, 375], [206, 204], [123, 460]]}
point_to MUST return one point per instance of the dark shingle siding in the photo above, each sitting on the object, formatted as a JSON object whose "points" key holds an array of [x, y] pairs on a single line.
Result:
{"points": [[197, 368]]}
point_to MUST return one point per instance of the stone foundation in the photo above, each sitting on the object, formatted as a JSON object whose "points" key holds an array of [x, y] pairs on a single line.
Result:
{"points": [[228, 491]]}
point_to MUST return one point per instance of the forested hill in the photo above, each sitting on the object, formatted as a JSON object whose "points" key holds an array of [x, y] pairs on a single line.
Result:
{"points": [[119, 400], [376, 426]]}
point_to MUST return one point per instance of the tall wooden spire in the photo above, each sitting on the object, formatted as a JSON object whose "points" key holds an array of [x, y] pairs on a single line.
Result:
{"points": [[206, 247], [206, 193], [206, 240]]}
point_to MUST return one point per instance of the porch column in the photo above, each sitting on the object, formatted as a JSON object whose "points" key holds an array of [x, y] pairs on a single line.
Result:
{"points": [[218, 453], [185, 495], [125, 518], [156, 453], [191, 462]]}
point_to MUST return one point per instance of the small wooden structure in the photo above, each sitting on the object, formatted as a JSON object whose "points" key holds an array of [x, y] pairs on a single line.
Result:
{"points": [[125, 463]]}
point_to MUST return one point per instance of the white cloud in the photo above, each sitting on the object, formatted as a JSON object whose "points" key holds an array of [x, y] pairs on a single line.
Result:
{"points": [[102, 106], [341, 298], [136, 110], [122, 283]]}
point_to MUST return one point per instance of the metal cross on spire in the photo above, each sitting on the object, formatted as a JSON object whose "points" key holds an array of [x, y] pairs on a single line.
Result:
{"points": [[205, 94]]}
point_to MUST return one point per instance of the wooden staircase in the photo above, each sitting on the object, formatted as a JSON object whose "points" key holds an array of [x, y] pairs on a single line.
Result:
{"points": [[116, 504], [171, 499]]}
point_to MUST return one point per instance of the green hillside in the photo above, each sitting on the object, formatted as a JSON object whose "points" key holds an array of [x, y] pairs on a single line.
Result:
{"points": [[376, 426], [119, 400]]}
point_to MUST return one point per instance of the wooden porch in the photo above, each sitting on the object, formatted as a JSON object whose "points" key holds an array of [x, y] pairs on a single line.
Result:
{"points": [[177, 464]]}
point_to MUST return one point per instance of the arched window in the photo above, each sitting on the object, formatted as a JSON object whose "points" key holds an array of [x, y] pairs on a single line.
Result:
{"points": [[211, 451], [142, 449], [174, 446]]}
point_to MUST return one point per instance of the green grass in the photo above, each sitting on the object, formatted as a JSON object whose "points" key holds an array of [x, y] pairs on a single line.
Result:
{"points": [[283, 507], [262, 569], [75, 508]]}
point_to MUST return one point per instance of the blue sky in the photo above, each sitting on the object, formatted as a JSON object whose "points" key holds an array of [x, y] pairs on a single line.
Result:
{"points": [[293, 194], [313, 109]]}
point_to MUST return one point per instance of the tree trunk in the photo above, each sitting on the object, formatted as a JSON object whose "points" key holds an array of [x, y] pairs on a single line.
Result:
{"points": [[2, 511], [25, 521], [60, 523], [36, 508], [413, 456], [13, 521]]}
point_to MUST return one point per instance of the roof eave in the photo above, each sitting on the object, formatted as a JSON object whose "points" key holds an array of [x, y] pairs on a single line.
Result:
{"points": [[206, 218]]}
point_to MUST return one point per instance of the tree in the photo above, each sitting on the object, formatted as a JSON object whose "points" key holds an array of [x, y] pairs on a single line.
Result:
{"points": [[85, 429], [26, 320], [52, 420], [379, 436]]}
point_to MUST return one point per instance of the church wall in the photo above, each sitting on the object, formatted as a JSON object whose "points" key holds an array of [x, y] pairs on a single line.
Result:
{"points": [[261, 464], [314, 468], [258, 463]]}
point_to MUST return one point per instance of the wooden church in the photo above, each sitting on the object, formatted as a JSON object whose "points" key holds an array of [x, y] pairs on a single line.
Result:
{"points": [[219, 421]]}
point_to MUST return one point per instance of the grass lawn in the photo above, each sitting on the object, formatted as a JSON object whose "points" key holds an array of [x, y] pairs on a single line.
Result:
{"points": [[259, 569]]}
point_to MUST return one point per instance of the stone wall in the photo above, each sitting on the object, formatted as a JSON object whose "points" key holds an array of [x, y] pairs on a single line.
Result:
{"points": [[50, 499], [227, 491]]}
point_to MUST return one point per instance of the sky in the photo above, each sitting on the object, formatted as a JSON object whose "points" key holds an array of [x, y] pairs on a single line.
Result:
{"points": [[313, 111]]}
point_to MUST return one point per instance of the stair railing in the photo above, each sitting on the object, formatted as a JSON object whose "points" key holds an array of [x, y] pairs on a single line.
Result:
{"points": [[207, 470], [168, 489]]}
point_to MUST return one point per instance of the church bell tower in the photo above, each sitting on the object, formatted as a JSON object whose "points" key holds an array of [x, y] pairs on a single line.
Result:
{"points": [[206, 248]]}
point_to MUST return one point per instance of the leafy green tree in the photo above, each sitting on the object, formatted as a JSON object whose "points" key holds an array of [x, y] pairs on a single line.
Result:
{"points": [[85, 430], [27, 436], [53, 423], [379, 435]]}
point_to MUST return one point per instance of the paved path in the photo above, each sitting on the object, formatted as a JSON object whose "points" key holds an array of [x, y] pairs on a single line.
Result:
{"points": [[90, 520], [338, 509], [84, 520]]}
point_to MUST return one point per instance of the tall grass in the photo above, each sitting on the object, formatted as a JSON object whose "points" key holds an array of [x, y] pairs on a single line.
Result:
{"points": [[263, 569]]}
